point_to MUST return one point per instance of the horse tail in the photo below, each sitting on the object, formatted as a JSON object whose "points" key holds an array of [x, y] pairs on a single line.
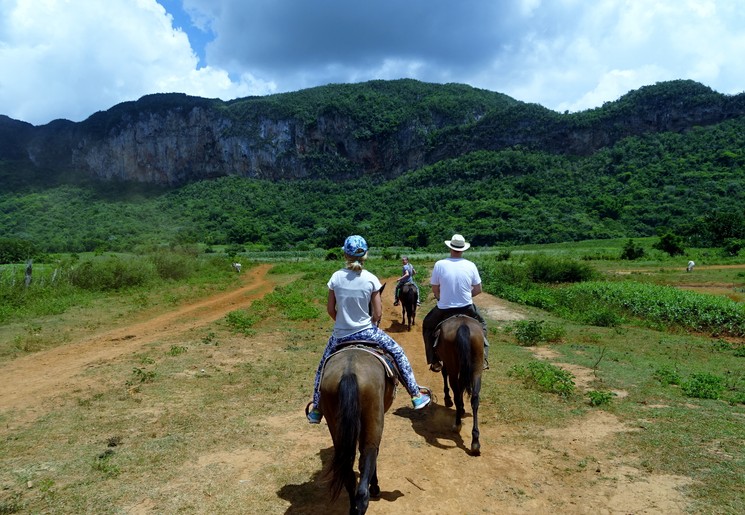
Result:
{"points": [[347, 433], [463, 344]]}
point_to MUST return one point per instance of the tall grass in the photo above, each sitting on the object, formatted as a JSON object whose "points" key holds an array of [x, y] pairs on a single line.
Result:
{"points": [[71, 281]]}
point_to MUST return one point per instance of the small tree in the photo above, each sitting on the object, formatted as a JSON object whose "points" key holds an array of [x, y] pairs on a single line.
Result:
{"points": [[632, 251], [670, 243]]}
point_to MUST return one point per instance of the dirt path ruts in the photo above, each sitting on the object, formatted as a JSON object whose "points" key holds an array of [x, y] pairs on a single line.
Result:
{"points": [[31, 380]]}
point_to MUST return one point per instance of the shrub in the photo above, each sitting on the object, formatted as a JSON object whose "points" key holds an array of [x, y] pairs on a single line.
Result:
{"points": [[532, 332], [632, 251], [667, 376], [174, 266], [241, 321], [599, 398], [545, 377], [112, 274], [704, 386], [528, 332], [546, 269], [670, 243], [602, 317]]}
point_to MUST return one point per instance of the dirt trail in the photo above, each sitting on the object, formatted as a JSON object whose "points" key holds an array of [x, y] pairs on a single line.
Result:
{"points": [[31, 380], [423, 465]]}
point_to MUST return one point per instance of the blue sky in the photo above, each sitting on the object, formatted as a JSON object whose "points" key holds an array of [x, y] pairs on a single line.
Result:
{"points": [[71, 58]]}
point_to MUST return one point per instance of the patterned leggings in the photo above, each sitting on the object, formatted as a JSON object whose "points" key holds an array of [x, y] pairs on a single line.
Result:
{"points": [[380, 339]]}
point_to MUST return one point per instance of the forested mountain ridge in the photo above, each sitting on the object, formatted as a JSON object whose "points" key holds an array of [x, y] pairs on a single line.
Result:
{"points": [[379, 129]]}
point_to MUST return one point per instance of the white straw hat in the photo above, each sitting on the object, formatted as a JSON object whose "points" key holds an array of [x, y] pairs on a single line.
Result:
{"points": [[458, 243]]}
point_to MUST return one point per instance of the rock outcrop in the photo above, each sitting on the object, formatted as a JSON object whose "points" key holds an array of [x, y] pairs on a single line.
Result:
{"points": [[338, 132]]}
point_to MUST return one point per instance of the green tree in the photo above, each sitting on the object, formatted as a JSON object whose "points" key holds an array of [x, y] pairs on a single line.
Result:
{"points": [[670, 243]]}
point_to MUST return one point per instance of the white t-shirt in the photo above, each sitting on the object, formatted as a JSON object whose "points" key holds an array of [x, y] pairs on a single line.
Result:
{"points": [[456, 277], [353, 292]]}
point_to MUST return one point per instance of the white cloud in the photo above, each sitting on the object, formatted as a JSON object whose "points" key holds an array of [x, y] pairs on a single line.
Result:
{"points": [[70, 58]]}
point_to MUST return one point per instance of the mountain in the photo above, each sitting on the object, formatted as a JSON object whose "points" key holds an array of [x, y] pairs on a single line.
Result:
{"points": [[377, 129]]}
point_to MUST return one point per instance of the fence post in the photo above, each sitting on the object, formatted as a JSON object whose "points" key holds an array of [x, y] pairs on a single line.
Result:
{"points": [[28, 272]]}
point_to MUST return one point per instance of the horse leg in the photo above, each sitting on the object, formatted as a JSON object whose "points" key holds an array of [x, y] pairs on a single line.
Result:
{"points": [[368, 461], [460, 410], [475, 444], [374, 487], [448, 399]]}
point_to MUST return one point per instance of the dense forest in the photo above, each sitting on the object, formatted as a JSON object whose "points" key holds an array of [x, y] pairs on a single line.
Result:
{"points": [[690, 181]]}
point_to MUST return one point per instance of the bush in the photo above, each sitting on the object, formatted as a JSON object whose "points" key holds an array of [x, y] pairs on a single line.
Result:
{"points": [[545, 269], [174, 266], [704, 386], [545, 377], [241, 321], [112, 274], [632, 251], [667, 376], [670, 243], [531, 332], [599, 398]]}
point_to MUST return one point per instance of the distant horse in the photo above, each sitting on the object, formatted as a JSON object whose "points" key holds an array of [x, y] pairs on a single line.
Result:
{"points": [[237, 267], [356, 392], [460, 346], [408, 297]]}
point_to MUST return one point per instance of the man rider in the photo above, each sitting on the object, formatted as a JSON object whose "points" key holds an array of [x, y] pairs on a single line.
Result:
{"points": [[455, 281]]}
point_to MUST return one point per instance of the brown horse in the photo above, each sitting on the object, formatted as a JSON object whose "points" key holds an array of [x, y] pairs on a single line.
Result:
{"points": [[408, 297], [460, 346], [355, 395]]}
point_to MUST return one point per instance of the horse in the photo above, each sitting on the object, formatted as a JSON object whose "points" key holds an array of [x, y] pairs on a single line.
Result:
{"points": [[408, 297], [460, 347], [237, 267], [356, 392]]}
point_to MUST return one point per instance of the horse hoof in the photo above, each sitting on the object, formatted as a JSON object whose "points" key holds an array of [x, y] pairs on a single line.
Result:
{"points": [[374, 491], [475, 449], [448, 403]]}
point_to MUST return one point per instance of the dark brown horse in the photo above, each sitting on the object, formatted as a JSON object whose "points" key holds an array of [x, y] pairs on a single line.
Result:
{"points": [[355, 395], [408, 297], [460, 347]]}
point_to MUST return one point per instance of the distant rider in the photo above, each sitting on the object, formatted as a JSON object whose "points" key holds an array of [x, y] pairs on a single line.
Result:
{"points": [[407, 277]]}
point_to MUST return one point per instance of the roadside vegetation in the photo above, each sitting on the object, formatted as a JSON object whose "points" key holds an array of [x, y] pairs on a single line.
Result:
{"points": [[677, 355]]}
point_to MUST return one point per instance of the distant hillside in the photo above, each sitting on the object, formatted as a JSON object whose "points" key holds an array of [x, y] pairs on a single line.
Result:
{"points": [[377, 129]]}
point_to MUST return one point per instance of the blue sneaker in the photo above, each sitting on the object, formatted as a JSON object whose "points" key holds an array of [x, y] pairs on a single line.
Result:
{"points": [[314, 416], [421, 400]]}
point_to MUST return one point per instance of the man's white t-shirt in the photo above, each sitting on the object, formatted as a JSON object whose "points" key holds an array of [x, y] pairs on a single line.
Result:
{"points": [[456, 277], [353, 292]]}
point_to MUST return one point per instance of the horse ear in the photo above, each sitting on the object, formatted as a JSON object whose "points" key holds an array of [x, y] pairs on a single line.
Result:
{"points": [[382, 288]]}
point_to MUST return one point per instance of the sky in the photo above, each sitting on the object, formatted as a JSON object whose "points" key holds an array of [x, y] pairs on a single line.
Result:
{"points": [[71, 58]]}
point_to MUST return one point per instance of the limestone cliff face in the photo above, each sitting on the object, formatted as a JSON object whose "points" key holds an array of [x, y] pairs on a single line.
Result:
{"points": [[182, 145], [381, 129]]}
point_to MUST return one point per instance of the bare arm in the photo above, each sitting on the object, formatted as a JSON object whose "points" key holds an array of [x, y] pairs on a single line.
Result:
{"points": [[377, 307], [331, 305], [475, 290], [436, 291]]}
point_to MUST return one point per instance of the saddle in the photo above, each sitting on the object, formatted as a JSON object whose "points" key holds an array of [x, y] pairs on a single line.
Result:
{"points": [[438, 329], [391, 370]]}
